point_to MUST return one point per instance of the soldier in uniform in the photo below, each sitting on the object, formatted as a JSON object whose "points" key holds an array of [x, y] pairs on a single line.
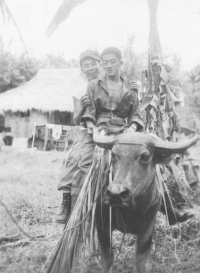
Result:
{"points": [[82, 151]]}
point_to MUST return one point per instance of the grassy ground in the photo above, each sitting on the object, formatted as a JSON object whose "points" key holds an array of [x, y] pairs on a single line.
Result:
{"points": [[28, 186]]}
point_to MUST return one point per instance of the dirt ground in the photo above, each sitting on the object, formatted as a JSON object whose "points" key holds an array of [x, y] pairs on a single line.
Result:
{"points": [[28, 187]]}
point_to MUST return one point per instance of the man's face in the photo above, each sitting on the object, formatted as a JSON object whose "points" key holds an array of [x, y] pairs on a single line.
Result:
{"points": [[90, 68], [111, 64]]}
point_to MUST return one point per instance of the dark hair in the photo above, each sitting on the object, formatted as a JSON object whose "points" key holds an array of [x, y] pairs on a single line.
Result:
{"points": [[113, 50]]}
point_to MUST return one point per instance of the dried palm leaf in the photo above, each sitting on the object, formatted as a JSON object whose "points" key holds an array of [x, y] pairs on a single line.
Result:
{"points": [[77, 240]]}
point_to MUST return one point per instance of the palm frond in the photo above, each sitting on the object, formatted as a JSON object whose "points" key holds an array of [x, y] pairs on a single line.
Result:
{"points": [[62, 14], [7, 16], [77, 240]]}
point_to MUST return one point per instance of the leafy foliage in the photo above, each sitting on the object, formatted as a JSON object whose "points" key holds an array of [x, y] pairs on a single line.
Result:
{"points": [[17, 70], [194, 81], [53, 61], [132, 62], [191, 90]]}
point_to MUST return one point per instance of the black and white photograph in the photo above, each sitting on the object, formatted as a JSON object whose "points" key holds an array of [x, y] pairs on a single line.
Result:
{"points": [[99, 136]]}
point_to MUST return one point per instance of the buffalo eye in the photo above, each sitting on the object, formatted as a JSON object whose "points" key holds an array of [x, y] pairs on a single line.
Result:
{"points": [[144, 157]]}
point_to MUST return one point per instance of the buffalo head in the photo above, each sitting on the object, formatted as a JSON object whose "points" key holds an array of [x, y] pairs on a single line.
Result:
{"points": [[134, 159]]}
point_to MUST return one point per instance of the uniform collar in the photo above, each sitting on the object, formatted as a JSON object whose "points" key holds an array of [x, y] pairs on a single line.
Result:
{"points": [[103, 83]]}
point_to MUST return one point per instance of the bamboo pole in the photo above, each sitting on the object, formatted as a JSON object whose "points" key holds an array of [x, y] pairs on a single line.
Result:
{"points": [[34, 129], [46, 138]]}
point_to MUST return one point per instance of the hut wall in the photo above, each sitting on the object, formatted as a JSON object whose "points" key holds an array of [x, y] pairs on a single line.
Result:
{"points": [[19, 125], [22, 124], [38, 117], [61, 118], [2, 123]]}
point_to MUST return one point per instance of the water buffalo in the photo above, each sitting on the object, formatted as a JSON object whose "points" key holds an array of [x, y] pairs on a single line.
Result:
{"points": [[133, 196]]}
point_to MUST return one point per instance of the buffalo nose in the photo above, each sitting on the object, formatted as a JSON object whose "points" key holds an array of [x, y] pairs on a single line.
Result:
{"points": [[118, 191]]}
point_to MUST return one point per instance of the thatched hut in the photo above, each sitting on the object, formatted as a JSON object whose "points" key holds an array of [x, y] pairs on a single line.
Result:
{"points": [[46, 99]]}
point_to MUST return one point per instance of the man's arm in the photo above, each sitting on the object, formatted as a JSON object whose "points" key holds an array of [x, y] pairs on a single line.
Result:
{"points": [[90, 112], [89, 117], [77, 116], [135, 121]]}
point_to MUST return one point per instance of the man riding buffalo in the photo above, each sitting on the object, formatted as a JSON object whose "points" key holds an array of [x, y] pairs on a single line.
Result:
{"points": [[82, 151], [114, 110], [126, 169], [113, 105]]}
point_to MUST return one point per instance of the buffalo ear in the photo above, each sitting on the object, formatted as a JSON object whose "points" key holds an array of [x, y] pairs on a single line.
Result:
{"points": [[163, 159]]}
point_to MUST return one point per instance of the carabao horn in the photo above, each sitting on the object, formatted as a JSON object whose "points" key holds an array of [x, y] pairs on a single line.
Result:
{"points": [[161, 146], [166, 147]]}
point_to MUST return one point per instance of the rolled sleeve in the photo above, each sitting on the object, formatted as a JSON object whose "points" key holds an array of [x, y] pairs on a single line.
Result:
{"points": [[88, 117], [135, 115]]}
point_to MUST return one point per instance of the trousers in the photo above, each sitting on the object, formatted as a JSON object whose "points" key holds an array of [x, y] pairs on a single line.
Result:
{"points": [[78, 163]]}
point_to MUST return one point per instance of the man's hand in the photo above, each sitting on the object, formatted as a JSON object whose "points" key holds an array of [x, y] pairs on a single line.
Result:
{"points": [[84, 101], [90, 127], [133, 85], [132, 128]]}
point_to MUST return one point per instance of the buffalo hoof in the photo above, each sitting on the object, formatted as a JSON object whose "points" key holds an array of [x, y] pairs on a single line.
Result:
{"points": [[182, 217]]}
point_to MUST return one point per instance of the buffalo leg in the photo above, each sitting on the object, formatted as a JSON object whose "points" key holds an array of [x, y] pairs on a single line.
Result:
{"points": [[103, 232], [143, 248], [106, 249], [144, 239]]}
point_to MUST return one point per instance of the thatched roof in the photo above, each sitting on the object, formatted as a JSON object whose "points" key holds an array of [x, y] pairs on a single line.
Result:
{"points": [[49, 90]]}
